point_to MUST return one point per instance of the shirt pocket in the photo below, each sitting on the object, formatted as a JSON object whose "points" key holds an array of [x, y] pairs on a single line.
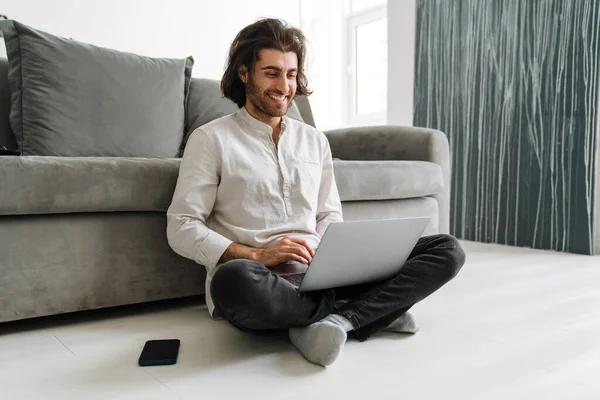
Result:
{"points": [[306, 181]]}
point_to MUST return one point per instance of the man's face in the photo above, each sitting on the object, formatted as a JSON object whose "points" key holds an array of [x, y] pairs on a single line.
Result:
{"points": [[271, 87]]}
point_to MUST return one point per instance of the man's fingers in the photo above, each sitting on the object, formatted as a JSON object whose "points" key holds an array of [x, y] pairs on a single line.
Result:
{"points": [[298, 251], [289, 256], [301, 251], [298, 258], [303, 243]]}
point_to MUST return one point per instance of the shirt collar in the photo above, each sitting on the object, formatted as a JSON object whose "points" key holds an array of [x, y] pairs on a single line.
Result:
{"points": [[259, 125]]}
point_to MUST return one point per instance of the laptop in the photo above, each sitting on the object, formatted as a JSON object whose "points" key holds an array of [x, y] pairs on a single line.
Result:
{"points": [[354, 252]]}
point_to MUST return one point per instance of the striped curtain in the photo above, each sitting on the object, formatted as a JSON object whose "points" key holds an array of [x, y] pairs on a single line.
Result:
{"points": [[514, 84]]}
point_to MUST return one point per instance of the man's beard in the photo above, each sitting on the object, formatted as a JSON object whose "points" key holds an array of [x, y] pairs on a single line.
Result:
{"points": [[261, 104]]}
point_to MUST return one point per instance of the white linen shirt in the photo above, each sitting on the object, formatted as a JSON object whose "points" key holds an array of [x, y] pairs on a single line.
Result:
{"points": [[235, 185]]}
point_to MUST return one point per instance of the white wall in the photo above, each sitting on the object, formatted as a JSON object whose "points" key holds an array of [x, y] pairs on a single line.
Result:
{"points": [[157, 28], [401, 61]]}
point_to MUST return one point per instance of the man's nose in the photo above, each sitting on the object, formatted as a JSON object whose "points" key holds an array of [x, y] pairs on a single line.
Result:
{"points": [[283, 85]]}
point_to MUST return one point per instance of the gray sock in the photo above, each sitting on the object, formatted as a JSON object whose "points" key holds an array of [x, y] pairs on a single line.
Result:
{"points": [[404, 324], [339, 320], [321, 342]]}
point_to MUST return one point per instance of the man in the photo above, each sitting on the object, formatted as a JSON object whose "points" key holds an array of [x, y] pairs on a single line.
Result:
{"points": [[257, 189]]}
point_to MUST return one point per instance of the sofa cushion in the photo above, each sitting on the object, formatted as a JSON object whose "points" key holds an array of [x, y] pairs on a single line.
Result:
{"points": [[384, 180], [7, 137], [397, 208], [75, 99], [53, 185]]}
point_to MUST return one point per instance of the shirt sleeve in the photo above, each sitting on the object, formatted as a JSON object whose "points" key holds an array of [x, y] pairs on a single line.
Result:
{"points": [[193, 201], [329, 205]]}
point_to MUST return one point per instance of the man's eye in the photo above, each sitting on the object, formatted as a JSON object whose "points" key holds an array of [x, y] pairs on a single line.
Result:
{"points": [[293, 76], [271, 75]]}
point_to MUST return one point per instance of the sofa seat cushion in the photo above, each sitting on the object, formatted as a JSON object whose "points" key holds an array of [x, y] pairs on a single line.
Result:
{"points": [[54, 185], [386, 180]]}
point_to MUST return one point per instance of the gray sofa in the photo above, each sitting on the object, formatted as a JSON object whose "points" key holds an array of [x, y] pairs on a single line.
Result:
{"points": [[84, 233]]}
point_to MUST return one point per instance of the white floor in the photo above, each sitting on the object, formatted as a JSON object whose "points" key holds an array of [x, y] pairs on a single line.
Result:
{"points": [[515, 324]]}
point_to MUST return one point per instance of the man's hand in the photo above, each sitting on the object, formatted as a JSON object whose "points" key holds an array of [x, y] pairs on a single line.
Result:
{"points": [[287, 249]]}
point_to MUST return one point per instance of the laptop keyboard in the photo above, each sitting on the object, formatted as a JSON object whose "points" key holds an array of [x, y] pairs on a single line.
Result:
{"points": [[294, 279]]}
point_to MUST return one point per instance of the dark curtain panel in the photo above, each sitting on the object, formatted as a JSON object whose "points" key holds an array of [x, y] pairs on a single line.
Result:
{"points": [[514, 84]]}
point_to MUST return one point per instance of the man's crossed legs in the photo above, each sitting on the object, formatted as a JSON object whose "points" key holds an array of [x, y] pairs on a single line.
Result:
{"points": [[253, 299]]}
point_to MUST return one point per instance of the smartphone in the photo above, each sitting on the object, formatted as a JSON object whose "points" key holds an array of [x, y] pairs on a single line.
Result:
{"points": [[159, 352]]}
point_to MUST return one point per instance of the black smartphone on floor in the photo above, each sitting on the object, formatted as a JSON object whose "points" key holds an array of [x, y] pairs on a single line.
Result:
{"points": [[159, 352]]}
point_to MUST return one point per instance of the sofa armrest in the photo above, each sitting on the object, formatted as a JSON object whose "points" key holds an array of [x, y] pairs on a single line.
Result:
{"points": [[397, 143]]}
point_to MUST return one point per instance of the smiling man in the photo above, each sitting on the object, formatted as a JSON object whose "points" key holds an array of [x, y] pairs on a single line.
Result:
{"points": [[256, 189]]}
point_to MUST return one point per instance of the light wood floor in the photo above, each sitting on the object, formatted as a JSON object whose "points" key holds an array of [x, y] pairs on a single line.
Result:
{"points": [[515, 324]]}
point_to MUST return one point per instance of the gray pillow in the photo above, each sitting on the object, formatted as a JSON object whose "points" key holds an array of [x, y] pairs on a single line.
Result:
{"points": [[74, 99], [206, 103], [7, 138]]}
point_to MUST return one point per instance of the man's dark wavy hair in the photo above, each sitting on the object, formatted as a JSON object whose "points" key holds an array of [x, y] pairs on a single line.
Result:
{"points": [[264, 34]]}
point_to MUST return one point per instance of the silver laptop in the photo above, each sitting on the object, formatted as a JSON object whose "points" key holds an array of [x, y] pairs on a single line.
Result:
{"points": [[356, 252]]}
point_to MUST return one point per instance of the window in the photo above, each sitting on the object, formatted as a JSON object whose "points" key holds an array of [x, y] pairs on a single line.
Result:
{"points": [[366, 97], [347, 60]]}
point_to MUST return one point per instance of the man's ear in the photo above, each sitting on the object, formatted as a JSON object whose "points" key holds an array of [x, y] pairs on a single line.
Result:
{"points": [[243, 73]]}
